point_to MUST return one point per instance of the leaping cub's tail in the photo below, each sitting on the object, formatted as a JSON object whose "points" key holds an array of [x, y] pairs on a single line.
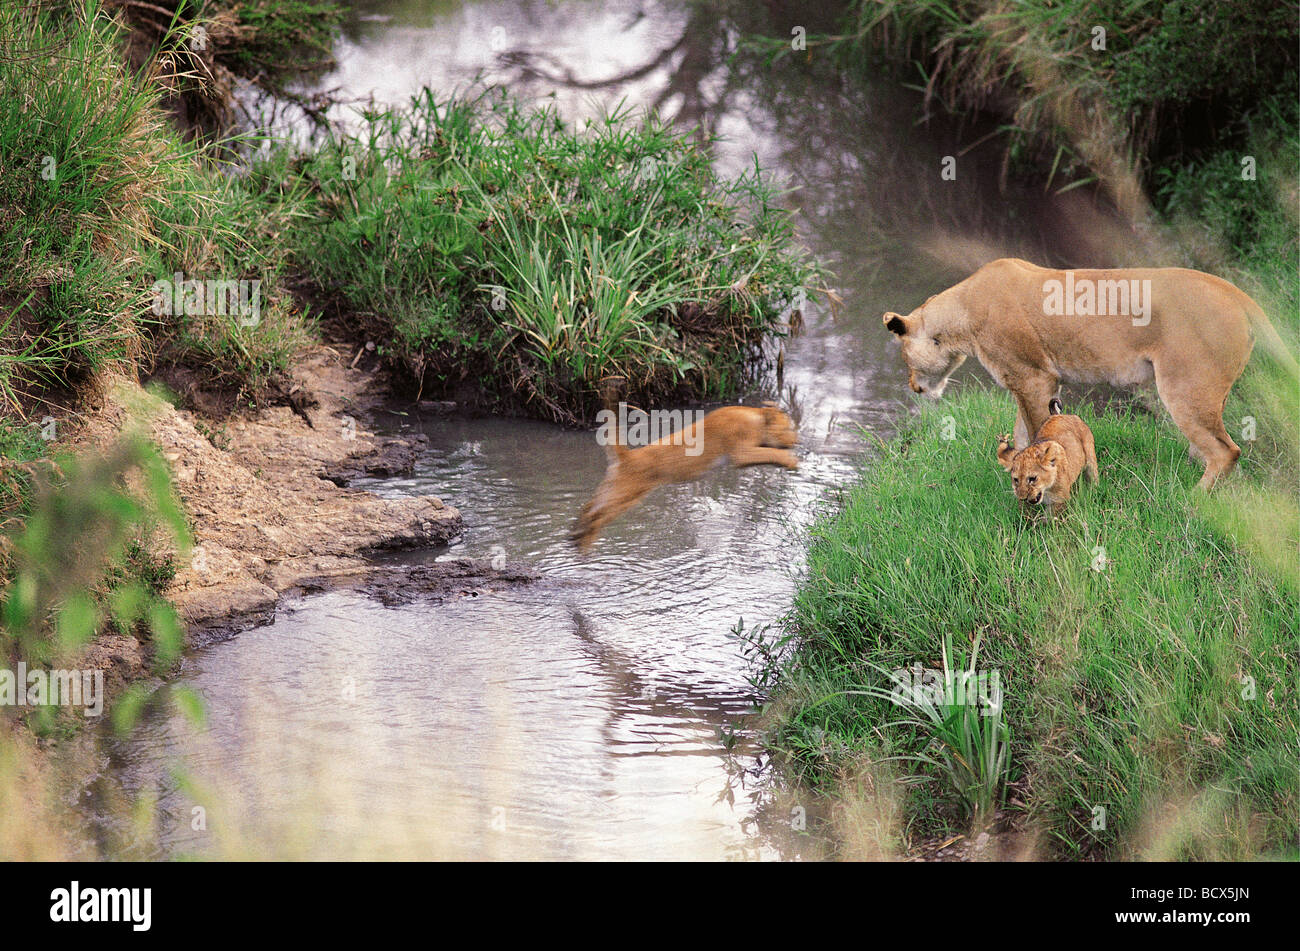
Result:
{"points": [[1054, 406], [613, 389]]}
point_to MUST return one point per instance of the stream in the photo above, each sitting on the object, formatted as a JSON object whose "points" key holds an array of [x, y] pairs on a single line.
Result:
{"points": [[604, 712]]}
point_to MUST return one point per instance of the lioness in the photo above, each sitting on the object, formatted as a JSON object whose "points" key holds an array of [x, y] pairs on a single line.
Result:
{"points": [[1043, 472], [746, 435], [1032, 327]]}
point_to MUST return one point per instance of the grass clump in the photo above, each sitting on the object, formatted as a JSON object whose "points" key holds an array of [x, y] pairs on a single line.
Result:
{"points": [[960, 710], [493, 247], [1146, 662]]}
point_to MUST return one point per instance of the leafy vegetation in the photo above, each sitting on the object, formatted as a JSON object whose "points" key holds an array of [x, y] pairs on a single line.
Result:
{"points": [[90, 552], [491, 246], [1099, 90]]}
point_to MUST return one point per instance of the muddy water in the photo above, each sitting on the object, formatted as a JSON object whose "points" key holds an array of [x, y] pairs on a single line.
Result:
{"points": [[604, 712]]}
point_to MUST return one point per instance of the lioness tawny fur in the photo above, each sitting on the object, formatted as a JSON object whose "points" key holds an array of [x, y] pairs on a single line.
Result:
{"points": [[745, 435], [1192, 338], [1043, 472]]}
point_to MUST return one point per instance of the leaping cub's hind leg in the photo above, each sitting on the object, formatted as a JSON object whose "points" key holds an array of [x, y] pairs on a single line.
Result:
{"points": [[1196, 406]]}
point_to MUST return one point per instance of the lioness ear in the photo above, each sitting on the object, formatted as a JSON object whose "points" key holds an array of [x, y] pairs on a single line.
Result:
{"points": [[1006, 455], [895, 323]]}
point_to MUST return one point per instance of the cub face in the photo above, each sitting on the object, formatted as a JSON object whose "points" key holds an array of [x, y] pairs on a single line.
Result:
{"points": [[1034, 469]]}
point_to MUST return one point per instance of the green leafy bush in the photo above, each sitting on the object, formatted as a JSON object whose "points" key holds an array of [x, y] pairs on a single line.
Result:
{"points": [[490, 245]]}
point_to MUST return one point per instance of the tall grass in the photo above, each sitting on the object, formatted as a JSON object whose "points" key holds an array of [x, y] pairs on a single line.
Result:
{"points": [[490, 246], [1091, 90], [1147, 661], [101, 200]]}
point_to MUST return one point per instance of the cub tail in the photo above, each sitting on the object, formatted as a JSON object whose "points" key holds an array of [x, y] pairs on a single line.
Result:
{"points": [[1054, 406], [612, 390]]}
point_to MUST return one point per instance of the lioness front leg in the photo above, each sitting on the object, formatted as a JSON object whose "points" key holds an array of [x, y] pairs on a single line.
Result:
{"points": [[1032, 396], [1021, 431]]}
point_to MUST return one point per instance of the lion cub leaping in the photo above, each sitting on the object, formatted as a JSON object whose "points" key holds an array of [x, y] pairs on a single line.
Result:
{"points": [[746, 435], [1043, 472]]}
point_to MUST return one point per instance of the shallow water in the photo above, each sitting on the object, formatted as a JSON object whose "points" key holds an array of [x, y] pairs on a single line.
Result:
{"points": [[590, 715]]}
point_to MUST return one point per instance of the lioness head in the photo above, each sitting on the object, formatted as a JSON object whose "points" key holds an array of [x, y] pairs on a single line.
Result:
{"points": [[1033, 469], [927, 349]]}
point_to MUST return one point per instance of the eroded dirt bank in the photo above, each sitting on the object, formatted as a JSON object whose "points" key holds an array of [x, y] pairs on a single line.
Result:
{"points": [[270, 509]]}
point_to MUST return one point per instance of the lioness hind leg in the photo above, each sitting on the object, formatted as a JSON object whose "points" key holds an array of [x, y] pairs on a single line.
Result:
{"points": [[1200, 417]]}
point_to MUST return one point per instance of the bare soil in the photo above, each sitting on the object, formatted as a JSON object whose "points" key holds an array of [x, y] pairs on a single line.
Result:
{"points": [[270, 510]]}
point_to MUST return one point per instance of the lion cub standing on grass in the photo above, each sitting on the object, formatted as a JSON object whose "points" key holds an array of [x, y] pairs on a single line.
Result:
{"points": [[745, 435], [1043, 472]]}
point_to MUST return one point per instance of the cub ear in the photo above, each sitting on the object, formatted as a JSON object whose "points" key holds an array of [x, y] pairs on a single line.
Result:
{"points": [[1006, 455], [1052, 452], [895, 323]]}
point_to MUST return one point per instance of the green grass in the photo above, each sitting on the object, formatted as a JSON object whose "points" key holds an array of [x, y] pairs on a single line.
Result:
{"points": [[101, 198], [491, 246], [1125, 688]]}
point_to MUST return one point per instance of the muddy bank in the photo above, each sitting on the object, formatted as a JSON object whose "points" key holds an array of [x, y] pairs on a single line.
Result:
{"points": [[393, 585], [270, 509]]}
